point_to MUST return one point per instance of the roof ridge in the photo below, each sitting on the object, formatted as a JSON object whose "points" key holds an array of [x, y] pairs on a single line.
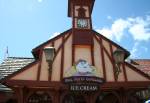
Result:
{"points": [[20, 57], [140, 59]]}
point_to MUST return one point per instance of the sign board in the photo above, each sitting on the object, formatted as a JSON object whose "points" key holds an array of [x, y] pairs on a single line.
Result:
{"points": [[84, 87], [83, 77]]}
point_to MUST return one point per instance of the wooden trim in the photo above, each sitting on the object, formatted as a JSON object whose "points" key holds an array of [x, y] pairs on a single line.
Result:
{"points": [[59, 85], [73, 23], [61, 46], [108, 55], [103, 60], [113, 43], [84, 30], [47, 42], [73, 54], [56, 98], [92, 55], [104, 50], [39, 67], [124, 72], [21, 96], [126, 85], [62, 60], [33, 84], [53, 39], [111, 50], [90, 19], [82, 17], [111, 60]]}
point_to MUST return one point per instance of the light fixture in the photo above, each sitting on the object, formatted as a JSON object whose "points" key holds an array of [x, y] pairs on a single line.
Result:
{"points": [[119, 56], [49, 55]]}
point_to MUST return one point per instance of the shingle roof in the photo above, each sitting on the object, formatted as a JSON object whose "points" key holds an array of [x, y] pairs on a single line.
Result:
{"points": [[13, 64], [3, 88], [142, 64]]}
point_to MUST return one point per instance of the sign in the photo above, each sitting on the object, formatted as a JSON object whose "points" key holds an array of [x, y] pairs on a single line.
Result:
{"points": [[84, 87], [83, 77]]}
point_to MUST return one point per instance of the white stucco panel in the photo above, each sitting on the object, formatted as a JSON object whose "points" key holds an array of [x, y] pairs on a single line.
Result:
{"points": [[109, 69], [98, 58], [44, 69], [134, 76], [57, 43], [83, 52], [56, 68], [28, 74], [106, 46], [68, 54]]}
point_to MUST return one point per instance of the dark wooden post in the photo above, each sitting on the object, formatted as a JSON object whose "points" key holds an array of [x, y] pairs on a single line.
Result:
{"points": [[88, 98], [56, 96], [123, 95], [19, 94]]}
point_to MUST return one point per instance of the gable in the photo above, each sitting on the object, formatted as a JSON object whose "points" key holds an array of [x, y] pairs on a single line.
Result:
{"points": [[99, 54]]}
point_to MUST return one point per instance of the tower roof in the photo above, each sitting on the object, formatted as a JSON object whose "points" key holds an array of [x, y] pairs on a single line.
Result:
{"points": [[79, 2]]}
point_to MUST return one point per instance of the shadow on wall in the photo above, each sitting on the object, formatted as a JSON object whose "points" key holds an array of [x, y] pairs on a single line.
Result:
{"points": [[11, 101]]}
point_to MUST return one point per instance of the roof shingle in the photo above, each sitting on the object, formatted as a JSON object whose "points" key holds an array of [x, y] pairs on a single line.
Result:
{"points": [[13, 64], [142, 64]]}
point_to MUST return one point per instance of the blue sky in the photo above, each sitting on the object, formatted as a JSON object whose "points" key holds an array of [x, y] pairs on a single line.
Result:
{"points": [[24, 24]]}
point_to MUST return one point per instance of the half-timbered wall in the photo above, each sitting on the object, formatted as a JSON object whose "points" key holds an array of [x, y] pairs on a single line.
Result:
{"points": [[29, 74], [98, 54]]}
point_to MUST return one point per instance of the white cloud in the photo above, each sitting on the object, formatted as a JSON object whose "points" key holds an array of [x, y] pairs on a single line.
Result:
{"points": [[138, 49], [116, 30], [106, 32], [54, 34], [109, 17], [138, 27], [40, 1], [134, 52], [139, 32]]}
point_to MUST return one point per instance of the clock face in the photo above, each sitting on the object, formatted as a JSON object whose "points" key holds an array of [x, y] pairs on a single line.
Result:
{"points": [[82, 23]]}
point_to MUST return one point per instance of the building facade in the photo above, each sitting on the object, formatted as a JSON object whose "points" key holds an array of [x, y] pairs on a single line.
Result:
{"points": [[83, 68]]}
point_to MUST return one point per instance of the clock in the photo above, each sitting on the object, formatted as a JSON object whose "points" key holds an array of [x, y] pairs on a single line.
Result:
{"points": [[82, 23]]}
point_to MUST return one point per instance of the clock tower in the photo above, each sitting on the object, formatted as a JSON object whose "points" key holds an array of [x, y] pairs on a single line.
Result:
{"points": [[80, 11]]}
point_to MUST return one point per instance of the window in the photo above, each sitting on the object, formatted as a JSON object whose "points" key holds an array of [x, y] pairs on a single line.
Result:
{"points": [[40, 98]]}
